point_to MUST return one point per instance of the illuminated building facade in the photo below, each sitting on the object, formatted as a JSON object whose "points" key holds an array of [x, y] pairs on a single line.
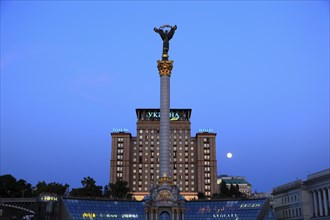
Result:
{"points": [[193, 165]]}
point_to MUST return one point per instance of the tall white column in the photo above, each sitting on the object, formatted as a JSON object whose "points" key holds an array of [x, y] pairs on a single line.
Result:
{"points": [[164, 67], [329, 196], [315, 203], [325, 203], [320, 202]]}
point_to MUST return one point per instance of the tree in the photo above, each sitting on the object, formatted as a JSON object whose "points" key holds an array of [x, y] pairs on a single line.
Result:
{"points": [[201, 195], [216, 196], [25, 188], [224, 191], [89, 189], [11, 188], [118, 190], [50, 188], [232, 190], [238, 193]]}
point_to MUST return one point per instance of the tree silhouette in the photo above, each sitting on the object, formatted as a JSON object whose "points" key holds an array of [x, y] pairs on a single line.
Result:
{"points": [[117, 190], [11, 188], [50, 188], [89, 189]]}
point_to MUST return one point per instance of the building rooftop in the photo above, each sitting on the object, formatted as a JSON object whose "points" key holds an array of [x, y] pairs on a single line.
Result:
{"points": [[288, 186]]}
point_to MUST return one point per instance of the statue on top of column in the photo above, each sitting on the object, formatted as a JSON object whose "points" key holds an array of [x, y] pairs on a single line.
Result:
{"points": [[166, 36]]}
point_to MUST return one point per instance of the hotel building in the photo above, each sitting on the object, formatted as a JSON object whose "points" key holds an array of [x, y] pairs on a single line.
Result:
{"points": [[193, 163]]}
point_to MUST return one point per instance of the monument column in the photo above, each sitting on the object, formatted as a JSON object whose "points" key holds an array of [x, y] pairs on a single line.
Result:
{"points": [[164, 197], [164, 67]]}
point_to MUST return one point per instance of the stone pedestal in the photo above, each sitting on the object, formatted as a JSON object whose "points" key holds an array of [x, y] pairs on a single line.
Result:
{"points": [[164, 199]]}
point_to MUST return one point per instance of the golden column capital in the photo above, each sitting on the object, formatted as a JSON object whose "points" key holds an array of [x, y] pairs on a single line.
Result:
{"points": [[165, 67]]}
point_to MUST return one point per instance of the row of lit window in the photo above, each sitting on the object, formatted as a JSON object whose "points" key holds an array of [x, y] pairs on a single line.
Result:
{"points": [[152, 160], [146, 189], [175, 149], [153, 131], [157, 165], [152, 143], [157, 171], [146, 183], [175, 177], [146, 137]]}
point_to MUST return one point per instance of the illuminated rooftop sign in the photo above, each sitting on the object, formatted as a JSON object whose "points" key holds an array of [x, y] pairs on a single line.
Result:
{"points": [[208, 130], [48, 198], [119, 130], [154, 114]]}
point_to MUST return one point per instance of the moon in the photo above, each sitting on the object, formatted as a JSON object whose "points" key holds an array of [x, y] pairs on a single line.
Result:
{"points": [[229, 155]]}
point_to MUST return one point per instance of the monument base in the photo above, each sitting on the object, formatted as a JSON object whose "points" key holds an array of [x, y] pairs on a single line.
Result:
{"points": [[164, 201]]}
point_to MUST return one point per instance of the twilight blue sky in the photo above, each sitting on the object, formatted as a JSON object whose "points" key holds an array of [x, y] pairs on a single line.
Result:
{"points": [[255, 72]]}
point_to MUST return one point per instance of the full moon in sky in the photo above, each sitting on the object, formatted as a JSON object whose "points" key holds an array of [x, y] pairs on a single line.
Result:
{"points": [[229, 155]]}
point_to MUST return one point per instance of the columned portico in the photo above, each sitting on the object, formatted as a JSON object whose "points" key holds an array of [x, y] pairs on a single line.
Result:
{"points": [[325, 202], [315, 210], [320, 203], [329, 197]]}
